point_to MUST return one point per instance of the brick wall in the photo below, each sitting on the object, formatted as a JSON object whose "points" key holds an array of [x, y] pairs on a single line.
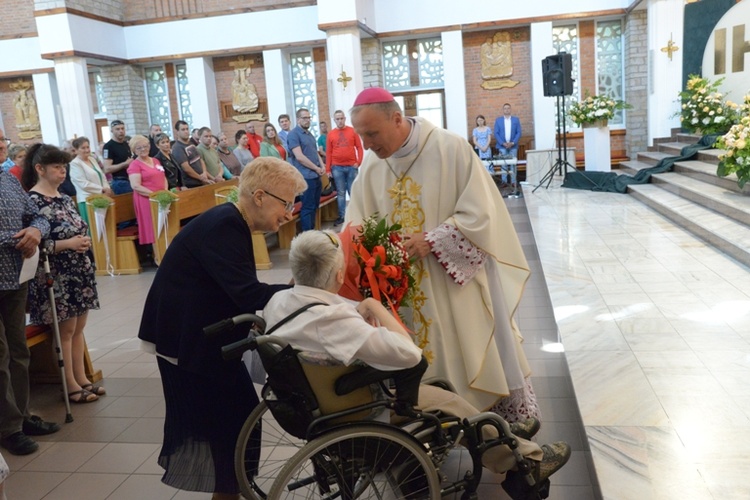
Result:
{"points": [[111, 9], [490, 102], [321, 85], [224, 74], [17, 18], [372, 62], [636, 81], [125, 97], [138, 10]]}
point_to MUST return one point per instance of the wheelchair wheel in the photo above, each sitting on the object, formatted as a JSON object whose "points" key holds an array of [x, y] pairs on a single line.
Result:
{"points": [[262, 441], [359, 462]]}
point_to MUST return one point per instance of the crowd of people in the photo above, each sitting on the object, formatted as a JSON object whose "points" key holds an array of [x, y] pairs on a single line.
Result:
{"points": [[471, 269]]}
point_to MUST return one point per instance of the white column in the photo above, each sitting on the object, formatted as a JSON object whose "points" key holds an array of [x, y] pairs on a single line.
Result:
{"points": [[545, 124], [665, 17], [278, 85], [72, 77], [455, 82], [344, 53], [47, 102], [204, 101]]}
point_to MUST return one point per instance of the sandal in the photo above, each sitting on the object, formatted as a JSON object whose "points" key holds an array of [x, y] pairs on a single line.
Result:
{"points": [[94, 389], [83, 398]]}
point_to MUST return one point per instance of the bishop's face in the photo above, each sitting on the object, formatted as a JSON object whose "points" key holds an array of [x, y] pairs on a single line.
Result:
{"points": [[382, 133]]}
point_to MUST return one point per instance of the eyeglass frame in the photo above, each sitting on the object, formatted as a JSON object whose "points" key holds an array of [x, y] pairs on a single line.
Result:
{"points": [[288, 205]]}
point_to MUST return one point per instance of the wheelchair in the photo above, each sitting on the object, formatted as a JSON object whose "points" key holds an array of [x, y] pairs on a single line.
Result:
{"points": [[321, 431]]}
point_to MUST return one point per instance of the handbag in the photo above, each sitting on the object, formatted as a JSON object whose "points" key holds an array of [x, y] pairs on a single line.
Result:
{"points": [[329, 186]]}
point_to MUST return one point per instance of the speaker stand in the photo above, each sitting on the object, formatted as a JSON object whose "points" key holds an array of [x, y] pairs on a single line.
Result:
{"points": [[561, 165]]}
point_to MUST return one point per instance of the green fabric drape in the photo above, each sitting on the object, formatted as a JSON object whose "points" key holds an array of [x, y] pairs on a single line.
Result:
{"points": [[618, 183]]}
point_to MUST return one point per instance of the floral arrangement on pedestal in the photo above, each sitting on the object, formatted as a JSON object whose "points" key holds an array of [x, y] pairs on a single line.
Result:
{"points": [[736, 145], [596, 108], [704, 108], [377, 265]]}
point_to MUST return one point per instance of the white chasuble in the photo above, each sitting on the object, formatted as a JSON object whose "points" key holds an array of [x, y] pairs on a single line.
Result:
{"points": [[466, 331]]}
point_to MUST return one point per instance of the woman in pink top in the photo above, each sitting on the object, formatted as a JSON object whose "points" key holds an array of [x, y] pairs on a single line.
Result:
{"points": [[146, 176]]}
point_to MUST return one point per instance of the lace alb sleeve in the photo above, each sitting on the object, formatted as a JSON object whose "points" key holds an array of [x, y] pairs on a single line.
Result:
{"points": [[458, 256]]}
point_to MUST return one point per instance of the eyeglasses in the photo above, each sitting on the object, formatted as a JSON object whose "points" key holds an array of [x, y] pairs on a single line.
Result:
{"points": [[304, 117], [116, 123], [288, 205], [331, 237], [6, 141]]}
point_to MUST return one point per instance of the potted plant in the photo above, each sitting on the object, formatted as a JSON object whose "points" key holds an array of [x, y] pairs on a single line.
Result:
{"points": [[736, 145], [704, 109], [595, 110]]}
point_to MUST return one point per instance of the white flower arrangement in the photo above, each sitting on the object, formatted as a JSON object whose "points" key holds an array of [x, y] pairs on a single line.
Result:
{"points": [[704, 109], [595, 109], [736, 146]]}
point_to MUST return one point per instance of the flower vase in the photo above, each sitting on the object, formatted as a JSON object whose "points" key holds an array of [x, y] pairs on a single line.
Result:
{"points": [[596, 146]]}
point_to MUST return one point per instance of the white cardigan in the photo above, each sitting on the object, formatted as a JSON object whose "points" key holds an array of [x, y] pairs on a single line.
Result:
{"points": [[86, 178]]}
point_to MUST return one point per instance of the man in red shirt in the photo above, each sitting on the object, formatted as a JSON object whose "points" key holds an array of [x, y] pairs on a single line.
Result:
{"points": [[253, 139], [343, 157]]}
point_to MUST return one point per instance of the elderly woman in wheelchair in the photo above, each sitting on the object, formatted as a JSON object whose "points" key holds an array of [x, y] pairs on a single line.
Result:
{"points": [[350, 452]]}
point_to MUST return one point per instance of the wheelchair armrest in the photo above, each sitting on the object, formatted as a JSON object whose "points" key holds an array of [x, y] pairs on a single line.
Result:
{"points": [[360, 378]]}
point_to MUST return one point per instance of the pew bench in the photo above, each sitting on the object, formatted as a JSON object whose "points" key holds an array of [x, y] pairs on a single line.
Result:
{"points": [[327, 208], [44, 366]]}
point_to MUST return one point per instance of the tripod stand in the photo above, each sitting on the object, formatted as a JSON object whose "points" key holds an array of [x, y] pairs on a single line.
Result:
{"points": [[561, 165]]}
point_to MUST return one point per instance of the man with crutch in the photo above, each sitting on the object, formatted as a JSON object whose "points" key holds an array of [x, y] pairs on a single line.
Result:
{"points": [[21, 231]]}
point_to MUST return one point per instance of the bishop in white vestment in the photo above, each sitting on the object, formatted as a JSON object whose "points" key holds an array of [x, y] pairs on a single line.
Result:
{"points": [[471, 272]]}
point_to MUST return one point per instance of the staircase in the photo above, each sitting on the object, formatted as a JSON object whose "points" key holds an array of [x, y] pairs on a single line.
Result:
{"points": [[693, 196]]}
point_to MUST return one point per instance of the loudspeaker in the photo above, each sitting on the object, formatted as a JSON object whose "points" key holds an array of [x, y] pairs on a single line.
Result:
{"points": [[556, 74]]}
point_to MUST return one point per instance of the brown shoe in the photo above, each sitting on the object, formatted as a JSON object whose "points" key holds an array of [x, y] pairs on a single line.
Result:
{"points": [[516, 485], [526, 429], [555, 456]]}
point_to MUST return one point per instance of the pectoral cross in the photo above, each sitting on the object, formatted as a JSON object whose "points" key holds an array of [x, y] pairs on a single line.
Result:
{"points": [[670, 48], [397, 192], [343, 79]]}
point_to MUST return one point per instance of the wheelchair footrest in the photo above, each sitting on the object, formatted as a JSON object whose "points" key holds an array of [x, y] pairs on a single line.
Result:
{"points": [[517, 487]]}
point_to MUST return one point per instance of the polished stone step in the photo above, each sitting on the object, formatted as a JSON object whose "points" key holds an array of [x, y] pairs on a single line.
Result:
{"points": [[727, 202], [706, 172], [673, 148], [652, 157], [631, 167], [722, 232]]}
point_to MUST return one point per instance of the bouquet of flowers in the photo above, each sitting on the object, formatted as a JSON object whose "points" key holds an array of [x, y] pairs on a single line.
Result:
{"points": [[703, 107], [377, 264], [595, 108], [736, 143]]}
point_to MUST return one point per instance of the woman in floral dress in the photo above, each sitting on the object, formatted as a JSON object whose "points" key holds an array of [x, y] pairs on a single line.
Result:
{"points": [[71, 265]]}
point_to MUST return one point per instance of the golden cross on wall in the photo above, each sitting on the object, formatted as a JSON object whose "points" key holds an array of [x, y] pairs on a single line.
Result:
{"points": [[343, 79], [670, 48]]}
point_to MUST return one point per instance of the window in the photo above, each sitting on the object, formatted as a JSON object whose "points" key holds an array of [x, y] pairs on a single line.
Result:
{"points": [[101, 106], [413, 63], [157, 97], [303, 86], [183, 94], [609, 64], [565, 39]]}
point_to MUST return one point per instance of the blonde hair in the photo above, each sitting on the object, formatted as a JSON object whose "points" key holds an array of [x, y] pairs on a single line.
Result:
{"points": [[135, 140], [268, 173], [315, 257]]}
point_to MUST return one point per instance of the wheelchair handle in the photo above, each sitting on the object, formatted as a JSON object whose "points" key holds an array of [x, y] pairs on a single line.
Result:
{"points": [[226, 325], [237, 349]]}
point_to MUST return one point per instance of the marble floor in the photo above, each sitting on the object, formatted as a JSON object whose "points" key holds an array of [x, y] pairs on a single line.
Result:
{"points": [[656, 330], [110, 450]]}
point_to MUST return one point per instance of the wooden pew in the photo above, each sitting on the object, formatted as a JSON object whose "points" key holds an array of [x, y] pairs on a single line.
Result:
{"points": [[327, 211], [190, 203], [44, 366], [123, 256]]}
